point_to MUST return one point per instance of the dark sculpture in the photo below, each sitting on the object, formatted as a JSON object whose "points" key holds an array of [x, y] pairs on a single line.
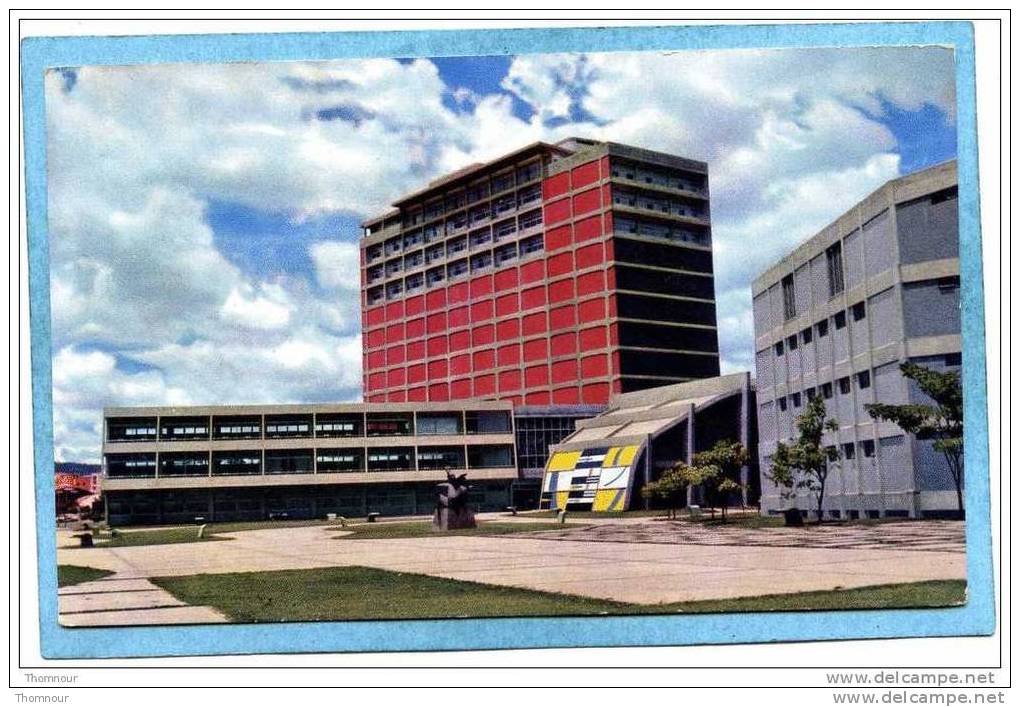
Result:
{"points": [[452, 512]]}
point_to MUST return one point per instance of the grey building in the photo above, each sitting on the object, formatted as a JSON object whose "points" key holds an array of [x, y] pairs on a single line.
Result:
{"points": [[248, 462], [837, 316]]}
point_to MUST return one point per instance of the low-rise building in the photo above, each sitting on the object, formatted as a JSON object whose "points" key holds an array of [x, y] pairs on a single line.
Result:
{"points": [[251, 462]]}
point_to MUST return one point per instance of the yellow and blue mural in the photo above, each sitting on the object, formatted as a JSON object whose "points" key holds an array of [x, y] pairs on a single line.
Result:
{"points": [[596, 479]]}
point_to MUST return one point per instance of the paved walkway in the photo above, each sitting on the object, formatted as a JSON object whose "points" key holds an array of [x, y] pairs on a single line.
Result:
{"points": [[630, 562], [116, 601], [927, 536]]}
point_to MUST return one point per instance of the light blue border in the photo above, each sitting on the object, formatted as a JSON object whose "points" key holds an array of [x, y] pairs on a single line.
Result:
{"points": [[976, 618]]}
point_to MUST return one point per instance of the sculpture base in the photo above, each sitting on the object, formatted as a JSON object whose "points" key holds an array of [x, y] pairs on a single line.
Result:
{"points": [[447, 519]]}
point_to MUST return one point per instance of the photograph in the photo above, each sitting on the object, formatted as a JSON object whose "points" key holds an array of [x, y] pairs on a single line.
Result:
{"points": [[455, 340], [534, 335]]}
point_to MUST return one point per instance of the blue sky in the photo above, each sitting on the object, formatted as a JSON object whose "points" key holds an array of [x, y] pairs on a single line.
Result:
{"points": [[205, 217]]}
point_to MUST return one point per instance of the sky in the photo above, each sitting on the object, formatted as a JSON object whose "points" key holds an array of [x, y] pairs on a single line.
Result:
{"points": [[203, 219]]}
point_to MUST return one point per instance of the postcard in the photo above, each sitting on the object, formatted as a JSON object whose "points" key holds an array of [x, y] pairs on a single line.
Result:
{"points": [[639, 336]]}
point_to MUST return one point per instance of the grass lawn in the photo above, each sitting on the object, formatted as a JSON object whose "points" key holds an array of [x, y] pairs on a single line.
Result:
{"points": [[344, 593], [68, 575], [422, 529], [160, 536], [128, 537], [737, 521]]}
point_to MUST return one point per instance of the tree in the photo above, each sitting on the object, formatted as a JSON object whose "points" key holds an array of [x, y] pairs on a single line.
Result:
{"points": [[941, 422], [720, 467], [670, 488], [805, 463]]}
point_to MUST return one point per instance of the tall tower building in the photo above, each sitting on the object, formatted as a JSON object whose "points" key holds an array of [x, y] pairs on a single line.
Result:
{"points": [[553, 275]]}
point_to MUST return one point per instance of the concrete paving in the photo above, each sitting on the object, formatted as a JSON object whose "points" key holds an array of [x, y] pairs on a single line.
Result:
{"points": [[116, 601], [638, 564]]}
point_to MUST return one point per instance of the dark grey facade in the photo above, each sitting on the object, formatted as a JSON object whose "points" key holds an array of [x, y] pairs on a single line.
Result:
{"points": [[835, 318]]}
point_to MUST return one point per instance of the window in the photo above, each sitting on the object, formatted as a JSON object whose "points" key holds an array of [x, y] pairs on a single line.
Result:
{"points": [[486, 422], [868, 447], [858, 311], [864, 379], [834, 268], [848, 450], [844, 386], [809, 393], [954, 359], [506, 253], [480, 237], [791, 342], [805, 336], [782, 404], [288, 427], [949, 284], [839, 320], [481, 261], [795, 398], [530, 219], [827, 391], [415, 282], [439, 424], [789, 298], [822, 328], [531, 245], [779, 348]]}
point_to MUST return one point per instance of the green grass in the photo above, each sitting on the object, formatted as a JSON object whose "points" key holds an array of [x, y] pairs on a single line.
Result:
{"points": [[170, 535], [344, 593], [69, 575], [884, 596], [423, 529], [161, 536], [232, 527]]}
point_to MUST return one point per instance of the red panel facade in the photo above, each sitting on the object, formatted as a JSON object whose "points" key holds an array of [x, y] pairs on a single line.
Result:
{"points": [[534, 330]]}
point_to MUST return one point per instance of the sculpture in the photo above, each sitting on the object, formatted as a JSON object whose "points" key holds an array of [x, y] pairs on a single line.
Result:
{"points": [[452, 512]]}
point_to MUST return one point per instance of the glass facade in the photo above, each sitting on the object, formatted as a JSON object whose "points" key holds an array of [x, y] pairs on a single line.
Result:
{"points": [[537, 430]]}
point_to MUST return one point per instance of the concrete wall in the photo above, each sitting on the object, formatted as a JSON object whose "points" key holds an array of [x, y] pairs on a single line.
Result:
{"points": [[910, 308]]}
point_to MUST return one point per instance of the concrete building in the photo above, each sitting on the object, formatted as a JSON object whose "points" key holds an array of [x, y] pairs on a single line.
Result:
{"points": [[553, 275], [225, 463], [836, 317], [603, 465]]}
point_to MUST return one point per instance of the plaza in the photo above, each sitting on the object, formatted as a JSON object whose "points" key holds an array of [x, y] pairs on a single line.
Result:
{"points": [[636, 560]]}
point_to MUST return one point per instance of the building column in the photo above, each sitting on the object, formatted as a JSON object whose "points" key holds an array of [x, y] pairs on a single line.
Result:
{"points": [[648, 468], [745, 434], [693, 496]]}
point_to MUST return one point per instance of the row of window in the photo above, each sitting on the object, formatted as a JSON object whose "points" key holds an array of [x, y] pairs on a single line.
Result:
{"points": [[673, 233], [353, 425], [500, 208], [250, 462], [686, 182], [477, 238], [825, 390], [480, 262], [474, 193], [663, 205], [820, 329]]}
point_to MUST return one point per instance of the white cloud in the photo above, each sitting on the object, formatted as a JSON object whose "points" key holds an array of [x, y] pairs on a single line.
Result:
{"points": [[337, 265], [258, 311], [136, 155]]}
